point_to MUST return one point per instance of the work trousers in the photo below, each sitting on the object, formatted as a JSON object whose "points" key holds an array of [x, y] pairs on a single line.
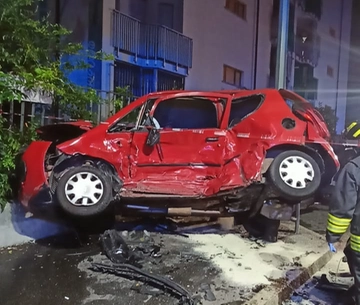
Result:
{"points": [[353, 259]]}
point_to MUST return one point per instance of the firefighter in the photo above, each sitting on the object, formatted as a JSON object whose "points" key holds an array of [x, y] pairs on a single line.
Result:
{"points": [[344, 212]]}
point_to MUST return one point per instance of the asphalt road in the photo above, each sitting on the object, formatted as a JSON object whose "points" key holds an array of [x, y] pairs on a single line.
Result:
{"points": [[54, 271]]}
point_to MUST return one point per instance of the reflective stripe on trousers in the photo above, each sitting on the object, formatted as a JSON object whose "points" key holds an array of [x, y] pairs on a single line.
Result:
{"points": [[355, 242], [337, 225]]}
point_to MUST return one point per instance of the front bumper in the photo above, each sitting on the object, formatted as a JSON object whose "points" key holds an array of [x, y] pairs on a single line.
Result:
{"points": [[35, 193]]}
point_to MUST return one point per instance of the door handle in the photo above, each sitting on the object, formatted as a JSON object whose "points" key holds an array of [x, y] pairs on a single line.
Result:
{"points": [[212, 139], [118, 143]]}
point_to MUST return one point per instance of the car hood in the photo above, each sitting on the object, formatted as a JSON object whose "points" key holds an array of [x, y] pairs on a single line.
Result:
{"points": [[63, 131]]}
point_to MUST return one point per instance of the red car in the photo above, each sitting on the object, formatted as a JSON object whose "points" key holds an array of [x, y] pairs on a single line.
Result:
{"points": [[183, 153]]}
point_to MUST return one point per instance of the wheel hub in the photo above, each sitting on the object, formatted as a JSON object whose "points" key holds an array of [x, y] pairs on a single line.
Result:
{"points": [[296, 172], [84, 189]]}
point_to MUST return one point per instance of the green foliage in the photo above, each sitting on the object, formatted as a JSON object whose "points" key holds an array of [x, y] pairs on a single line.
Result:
{"points": [[33, 56], [121, 97], [329, 116]]}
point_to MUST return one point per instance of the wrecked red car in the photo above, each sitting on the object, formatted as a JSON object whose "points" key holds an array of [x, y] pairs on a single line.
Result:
{"points": [[183, 153]]}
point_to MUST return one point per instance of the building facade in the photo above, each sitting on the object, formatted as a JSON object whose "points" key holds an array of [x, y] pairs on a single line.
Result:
{"points": [[212, 45], [353, 92], [235, 45], [320, 62], [145, 37], [231, 42]]}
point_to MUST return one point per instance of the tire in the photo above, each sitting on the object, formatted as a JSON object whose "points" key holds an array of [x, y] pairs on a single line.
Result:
{"points": [[96, 187], [306, 182]]}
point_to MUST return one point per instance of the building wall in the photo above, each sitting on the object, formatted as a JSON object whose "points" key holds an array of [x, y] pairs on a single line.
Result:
{"points": [[220, 38], [334, 53], [353, 95], [107, 76], [150, 11], [84, 19], [223, 38]]}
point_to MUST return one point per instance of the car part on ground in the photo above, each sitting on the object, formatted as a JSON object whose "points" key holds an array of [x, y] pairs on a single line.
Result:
{"points": [[134, 273], [215, 152], [127, 263]]}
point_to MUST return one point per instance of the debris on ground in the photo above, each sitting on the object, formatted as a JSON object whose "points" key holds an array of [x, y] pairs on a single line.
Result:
{"points": [[127, 257], [137, 247], [206, 265], [330, 286], [133, 273]]}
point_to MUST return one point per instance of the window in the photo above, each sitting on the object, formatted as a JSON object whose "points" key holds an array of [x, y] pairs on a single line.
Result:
{"points": [[332, 32], [330, 71], [166, 15], [232, 76], [127, 122], [187, 113], [242, 107], [236, 7]]}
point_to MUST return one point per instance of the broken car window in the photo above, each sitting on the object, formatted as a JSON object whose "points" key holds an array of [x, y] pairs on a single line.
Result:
{"points": [[243, 107], [187, 113], [127, 122]]}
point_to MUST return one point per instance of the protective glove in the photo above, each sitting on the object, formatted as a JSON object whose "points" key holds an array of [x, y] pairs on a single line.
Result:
{"points": [[332, 247]]}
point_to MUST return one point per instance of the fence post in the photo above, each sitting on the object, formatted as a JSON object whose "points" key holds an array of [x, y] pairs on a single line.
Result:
{"points": [[11, 113], [42, 115], [22, 116]]}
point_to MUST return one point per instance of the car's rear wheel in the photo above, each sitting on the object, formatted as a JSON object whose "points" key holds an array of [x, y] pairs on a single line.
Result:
{"points": [[295, 175], [84, 191]]}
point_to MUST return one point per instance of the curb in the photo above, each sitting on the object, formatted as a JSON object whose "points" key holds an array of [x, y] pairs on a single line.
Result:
{"points": [[275, 295], [278, 292]]}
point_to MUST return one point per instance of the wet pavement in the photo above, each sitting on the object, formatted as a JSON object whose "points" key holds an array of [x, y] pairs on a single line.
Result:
{"points": [[56, 270], [45, 272]]}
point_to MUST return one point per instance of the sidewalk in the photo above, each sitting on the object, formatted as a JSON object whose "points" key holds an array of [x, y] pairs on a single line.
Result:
{"points": [[17, 228]]}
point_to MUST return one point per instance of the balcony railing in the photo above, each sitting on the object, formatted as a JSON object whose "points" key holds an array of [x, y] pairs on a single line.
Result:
{"points": [[150, 42], [307, 52]]}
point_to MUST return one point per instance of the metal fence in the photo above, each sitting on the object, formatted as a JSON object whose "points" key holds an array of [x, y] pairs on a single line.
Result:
{"points": [[21, 113]]}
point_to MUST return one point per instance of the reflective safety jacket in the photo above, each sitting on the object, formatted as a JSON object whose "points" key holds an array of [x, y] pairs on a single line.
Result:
{"points": [[352, 131], [344, 208]]}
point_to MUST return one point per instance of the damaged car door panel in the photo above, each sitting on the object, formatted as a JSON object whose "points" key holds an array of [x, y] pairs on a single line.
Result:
{"points": [[215, 152]]}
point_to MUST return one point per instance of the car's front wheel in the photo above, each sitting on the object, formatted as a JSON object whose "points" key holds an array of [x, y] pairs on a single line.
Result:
{"points": [[295, 175], [84, 191]]}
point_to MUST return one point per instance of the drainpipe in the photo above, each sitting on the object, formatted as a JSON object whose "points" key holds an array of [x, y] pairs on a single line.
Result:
{"points": [[257, 23], [280, 78], [339, 56]]}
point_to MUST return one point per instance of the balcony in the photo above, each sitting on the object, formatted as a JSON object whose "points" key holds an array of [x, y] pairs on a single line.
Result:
{"points": [[151, 46], [307, 51]]}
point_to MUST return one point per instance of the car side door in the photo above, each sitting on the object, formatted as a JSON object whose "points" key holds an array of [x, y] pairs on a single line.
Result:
{"points": [[188, 158], [246, 151], [118, 141]]}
